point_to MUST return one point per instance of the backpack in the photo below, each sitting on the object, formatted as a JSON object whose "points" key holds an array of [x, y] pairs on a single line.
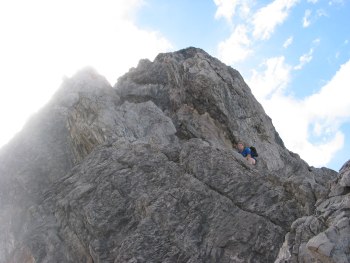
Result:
{"points": [[254, 152]]}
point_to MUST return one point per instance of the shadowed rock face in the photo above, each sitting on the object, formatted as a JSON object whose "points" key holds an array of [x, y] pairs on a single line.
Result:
{"points": [[325, 235], [145, 171]]}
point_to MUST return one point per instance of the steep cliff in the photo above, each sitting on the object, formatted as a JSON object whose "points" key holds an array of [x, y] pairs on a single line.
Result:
{"points": [[145, 171]]}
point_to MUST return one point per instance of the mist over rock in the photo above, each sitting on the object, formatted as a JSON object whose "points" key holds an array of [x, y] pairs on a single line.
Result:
{"points": [[146, 171]]}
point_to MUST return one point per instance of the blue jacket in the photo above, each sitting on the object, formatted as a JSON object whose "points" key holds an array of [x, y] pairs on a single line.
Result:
{"points": [[246, 151]]}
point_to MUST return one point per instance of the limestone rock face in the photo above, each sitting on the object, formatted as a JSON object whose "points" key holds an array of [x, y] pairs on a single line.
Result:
{"points": [[145, 171], [324, 236]]}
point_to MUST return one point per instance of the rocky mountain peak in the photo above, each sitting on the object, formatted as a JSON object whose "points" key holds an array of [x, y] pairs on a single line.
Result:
{"points": [[147, 171], [191, 84]]}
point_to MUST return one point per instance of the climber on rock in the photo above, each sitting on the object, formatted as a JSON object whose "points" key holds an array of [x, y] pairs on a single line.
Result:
{"points": [[246, 152]]}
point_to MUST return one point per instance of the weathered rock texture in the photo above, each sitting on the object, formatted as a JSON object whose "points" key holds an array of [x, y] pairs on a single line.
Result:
{"points": [[145, 171], [325, 235]]}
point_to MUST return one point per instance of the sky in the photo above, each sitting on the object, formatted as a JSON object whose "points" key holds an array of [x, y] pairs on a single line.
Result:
{"points": [[293, 54]]}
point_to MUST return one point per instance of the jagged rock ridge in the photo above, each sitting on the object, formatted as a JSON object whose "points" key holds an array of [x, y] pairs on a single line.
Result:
{"points": [[145, 172]]}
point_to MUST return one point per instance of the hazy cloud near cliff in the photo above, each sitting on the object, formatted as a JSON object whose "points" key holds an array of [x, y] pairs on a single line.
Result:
{"points": [[44, 40]]}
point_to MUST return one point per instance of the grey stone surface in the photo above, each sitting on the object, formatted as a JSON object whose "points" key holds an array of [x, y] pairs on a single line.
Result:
{"points": [[324, 236], [345, 176], [145, 171]]}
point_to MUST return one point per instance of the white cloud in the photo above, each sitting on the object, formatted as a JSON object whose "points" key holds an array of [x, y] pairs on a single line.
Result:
{"points": [[336, 2], [304, 59], [306, 21], [307, 57], [316, 41], [268, 17], [320, 115], [309, 18], [271, 81], [337, 55], [321, 154], [240, 45], [44, 40], [288, 42], [312, 1], [236, 47], [332, 105], [245, 10], [225, 9], [321, 12]]}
